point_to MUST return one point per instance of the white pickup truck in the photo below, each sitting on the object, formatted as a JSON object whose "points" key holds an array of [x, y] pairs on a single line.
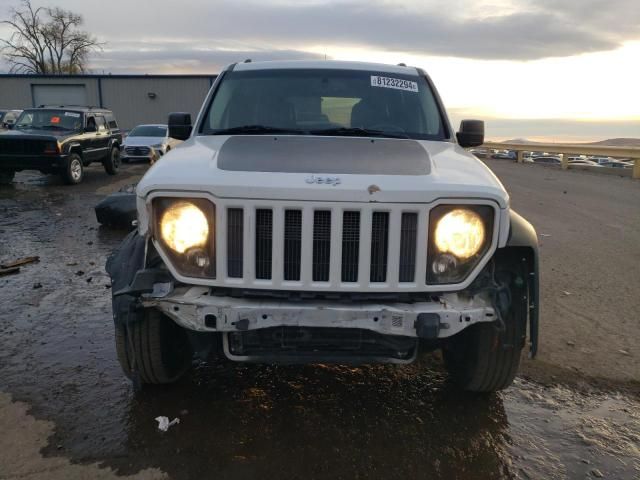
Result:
{"points": [[325, 212]]}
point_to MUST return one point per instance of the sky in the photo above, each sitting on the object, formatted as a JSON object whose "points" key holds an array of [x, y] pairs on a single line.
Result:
{"points": [[553, 70]]}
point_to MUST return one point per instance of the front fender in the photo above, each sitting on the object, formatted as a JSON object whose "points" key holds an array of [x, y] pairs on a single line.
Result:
{"points": [[522, 236], [122, 266]]}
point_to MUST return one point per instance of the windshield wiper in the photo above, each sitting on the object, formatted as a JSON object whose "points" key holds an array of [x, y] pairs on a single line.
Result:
{"points": [[358, 132], [255, 129]]}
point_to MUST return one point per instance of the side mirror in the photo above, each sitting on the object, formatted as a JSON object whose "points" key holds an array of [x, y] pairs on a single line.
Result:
{"points": [[180, 125], [8, 126], [471, 133]]}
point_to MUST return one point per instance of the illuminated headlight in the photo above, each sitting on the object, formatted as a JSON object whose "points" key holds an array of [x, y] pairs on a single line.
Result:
{"points": [[459, 236], [185, 228], [460, 232]]}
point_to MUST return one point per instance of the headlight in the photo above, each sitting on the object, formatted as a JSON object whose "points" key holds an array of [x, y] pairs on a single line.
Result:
{"points": [[460, 232], [157, 146], [459, 236], [184, 227]]}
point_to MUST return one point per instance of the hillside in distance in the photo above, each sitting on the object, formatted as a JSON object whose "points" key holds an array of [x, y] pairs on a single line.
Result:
{"points": [[611, 142]]}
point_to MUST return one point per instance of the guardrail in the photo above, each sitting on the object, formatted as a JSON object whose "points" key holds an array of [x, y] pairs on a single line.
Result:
{"points": [[567, 149]]}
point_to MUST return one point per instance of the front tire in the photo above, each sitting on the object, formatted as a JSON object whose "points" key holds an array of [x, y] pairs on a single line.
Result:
{"points": [[153, 347], [74, 171], [481, 358], [112, 162]]}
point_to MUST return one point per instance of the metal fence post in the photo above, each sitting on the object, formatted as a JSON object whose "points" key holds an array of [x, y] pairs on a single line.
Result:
{"points": [[520, 154], [565, 161], [636, 168]]}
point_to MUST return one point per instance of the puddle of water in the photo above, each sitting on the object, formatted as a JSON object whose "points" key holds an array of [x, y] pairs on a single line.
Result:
{"points": [[239, 421]]}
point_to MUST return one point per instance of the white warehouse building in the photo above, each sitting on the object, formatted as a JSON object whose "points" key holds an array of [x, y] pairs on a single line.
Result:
{"points": [[135, 99]]}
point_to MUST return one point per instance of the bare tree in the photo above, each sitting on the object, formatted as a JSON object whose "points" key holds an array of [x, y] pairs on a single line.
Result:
{"points": [[47, 41]]}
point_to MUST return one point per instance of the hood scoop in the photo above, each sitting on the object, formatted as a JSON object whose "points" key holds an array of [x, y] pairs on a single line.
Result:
{"points": [[339, 155]]}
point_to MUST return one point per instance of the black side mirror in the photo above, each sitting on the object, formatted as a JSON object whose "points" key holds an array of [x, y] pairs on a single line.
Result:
{"points": [[471, 133], [180, 125]]}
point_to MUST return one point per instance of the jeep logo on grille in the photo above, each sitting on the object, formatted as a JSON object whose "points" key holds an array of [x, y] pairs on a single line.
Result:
{"points": [[323, 180]]}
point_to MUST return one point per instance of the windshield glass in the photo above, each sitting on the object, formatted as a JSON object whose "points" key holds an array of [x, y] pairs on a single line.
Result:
{"points": [[323, 101], [148, 131], [50, 120]]}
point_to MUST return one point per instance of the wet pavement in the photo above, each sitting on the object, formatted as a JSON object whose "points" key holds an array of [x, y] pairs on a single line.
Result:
{"points": [[250, 421]]}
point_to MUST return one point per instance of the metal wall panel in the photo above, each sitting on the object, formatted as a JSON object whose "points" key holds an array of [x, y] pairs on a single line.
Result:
{"points": [[135, 99], [130, 98]]}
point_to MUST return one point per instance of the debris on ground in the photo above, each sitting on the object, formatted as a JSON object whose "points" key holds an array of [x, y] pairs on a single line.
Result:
{"points": [[164, 423], [545, 234], [570, 343], [624, 352], [37, 286], [9, 271], [566, 293], [20, 262]]}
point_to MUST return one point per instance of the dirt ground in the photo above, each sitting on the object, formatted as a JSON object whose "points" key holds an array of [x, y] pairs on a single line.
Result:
{"points": [[588, 227], [66, 410]]}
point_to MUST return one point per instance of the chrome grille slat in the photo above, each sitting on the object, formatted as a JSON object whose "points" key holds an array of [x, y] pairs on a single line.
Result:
{"points": [[292, 244], [408, 240], [235, 241], [264, 243], [379, 246], [321, 245], [350, 246]]}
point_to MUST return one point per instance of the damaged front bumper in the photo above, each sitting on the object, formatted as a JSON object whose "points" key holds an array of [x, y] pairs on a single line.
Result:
{"points": [[195, 309]]}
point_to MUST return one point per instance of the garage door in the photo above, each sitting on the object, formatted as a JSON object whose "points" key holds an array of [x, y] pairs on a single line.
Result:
{"points": [[59, 95]]}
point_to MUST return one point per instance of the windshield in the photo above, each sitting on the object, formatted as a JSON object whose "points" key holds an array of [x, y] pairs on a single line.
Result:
{"points": [[149, 131], [323, 101], [49, 120]]}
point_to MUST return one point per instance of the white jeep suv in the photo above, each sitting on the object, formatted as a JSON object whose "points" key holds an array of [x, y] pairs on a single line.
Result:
{"points": [[325, 212]]}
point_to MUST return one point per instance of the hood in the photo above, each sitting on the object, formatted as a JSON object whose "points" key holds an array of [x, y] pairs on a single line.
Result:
{"points": [[36, 134], [319, 168], [143, 141]]}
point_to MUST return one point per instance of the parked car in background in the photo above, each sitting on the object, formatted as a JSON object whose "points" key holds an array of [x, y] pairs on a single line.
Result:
{"points": [[600, 159], [60, 140], [505, 155], [547, 159], [583, 161], [142, 139], [617, 164], [8, 118]]}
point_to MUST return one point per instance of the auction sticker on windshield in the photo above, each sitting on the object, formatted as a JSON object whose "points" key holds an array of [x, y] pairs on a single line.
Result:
{"points": [[397, 83]]}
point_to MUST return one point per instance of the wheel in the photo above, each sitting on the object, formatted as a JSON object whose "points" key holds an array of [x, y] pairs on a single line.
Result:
{"points": [[6, 176], [112, 162], [154, 347], [74, 171], [481, 358]]}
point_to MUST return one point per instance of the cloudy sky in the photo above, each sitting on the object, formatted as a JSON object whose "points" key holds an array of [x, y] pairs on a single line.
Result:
{"points": [[550, 69]]}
